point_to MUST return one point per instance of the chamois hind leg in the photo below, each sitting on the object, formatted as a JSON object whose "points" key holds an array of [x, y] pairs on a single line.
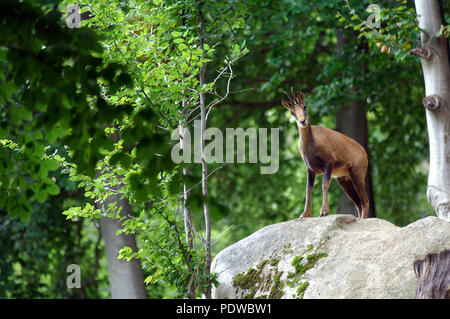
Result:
{"points": [[347, 186], [357, 175]]}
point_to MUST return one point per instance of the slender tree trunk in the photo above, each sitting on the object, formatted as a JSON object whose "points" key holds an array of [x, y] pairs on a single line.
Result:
{"points": [[186, 211], [436, 72], [204, 164], [126, 279], [351, 120]]}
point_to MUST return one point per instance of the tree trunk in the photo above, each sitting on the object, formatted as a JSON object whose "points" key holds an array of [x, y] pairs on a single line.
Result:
{"points": [[433, 276], [186, 211], [204, 164], [126, 279], [351, 120], [436, 72]]}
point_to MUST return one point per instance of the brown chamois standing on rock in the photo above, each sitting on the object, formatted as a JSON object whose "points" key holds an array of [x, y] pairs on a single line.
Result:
{"points": [[332, 154]]}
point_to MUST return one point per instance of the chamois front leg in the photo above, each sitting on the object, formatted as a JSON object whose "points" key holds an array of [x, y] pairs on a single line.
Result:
{"points": [[309, 189], [325, 184]]}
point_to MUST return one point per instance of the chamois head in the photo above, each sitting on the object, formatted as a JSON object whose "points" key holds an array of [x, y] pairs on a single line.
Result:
{"points": [[297, 107]]}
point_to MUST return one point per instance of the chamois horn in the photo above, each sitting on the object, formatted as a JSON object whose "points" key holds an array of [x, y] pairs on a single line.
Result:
{"points": [[289, 97]]}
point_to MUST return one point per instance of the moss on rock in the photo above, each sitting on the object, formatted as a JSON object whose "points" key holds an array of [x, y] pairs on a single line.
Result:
{"points": [[265, 281], [302, 263], [276, 292], [301, 289]]}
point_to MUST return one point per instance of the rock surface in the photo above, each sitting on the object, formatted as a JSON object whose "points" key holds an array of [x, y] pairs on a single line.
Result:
{"points": [[337, 256]]}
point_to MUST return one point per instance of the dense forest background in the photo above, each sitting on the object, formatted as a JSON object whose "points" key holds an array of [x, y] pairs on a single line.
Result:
{"points": [[141, 88]]}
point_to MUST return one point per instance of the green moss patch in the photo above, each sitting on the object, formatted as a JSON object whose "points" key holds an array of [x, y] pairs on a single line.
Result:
{"points": [[254, 280], [276, 292], [302, 263], [301, 289], [264, 281], [287, 249]]}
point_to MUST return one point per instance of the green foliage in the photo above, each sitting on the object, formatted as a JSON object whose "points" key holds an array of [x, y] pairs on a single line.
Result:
{"points": [[35, 255], [160, 43], [444, 31], [397, 33], [48, 77]]}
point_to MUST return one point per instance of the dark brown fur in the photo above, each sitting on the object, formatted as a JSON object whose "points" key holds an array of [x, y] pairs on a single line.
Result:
{"points": [[333, 154]]}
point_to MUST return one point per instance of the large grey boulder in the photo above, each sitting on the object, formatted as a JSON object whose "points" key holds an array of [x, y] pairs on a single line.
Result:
{"points": [[337, 256]]}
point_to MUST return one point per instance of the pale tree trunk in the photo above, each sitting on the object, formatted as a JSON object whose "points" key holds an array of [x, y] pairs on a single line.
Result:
{"points": [[436, 72], [351, 120], [186, 210], [126, 279], [188, 228], [207, 242]]}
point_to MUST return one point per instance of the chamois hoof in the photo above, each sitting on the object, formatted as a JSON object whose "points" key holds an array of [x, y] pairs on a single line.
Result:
{"points": [[324, 211], [305, 215]]}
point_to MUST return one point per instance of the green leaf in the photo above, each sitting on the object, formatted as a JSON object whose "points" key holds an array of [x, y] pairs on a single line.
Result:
{"points": [[53, 189], [54, 133], [50, 164], [41, 196]]}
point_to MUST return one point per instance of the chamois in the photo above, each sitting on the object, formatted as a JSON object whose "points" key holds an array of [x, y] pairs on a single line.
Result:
{"points": [[332, 154]]}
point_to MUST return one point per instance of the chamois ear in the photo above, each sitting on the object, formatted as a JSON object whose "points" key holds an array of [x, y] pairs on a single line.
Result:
{"points": [[286, 104], [300, 96]]}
